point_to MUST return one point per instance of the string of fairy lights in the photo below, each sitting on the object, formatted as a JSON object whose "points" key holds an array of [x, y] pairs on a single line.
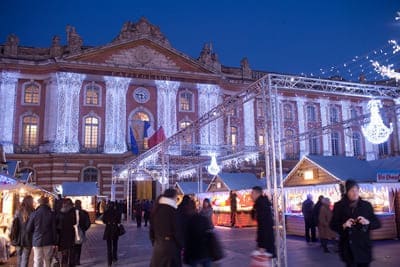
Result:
{"points": [[379, 65]]}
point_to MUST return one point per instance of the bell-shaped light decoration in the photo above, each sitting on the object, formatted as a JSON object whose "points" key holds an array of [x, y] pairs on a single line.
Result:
{"points": [[376, 132], [213, 168]]}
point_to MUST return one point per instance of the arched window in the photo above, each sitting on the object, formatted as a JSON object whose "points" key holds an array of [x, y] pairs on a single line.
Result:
{"points": [[31, 93], [137, 125], [314, 144], [260, 108], [335, 143], [334, 114], [290, 152], [353, 113], [234, 136], [187, 138], [311, 114], [90, 175], [91, 132], [141, 116], [30, 131], [288, 112], [356, 144], [92, 95], [186, 101]]}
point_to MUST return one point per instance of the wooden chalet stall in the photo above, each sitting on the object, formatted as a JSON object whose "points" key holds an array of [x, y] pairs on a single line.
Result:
{"points": [[325, 175], [86, 192], [218, 192], [191, 189]]}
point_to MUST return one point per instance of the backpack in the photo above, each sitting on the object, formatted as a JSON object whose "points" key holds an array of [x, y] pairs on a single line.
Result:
{"points": [[15, 232]]}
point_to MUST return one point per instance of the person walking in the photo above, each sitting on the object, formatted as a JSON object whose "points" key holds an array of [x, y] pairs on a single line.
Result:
{"points": [[324, 218], [262, 213], [207, 211], [196, 250], [233, 201], [84, 224], [24, 245], [112, 219], [138, 213], [353, 219], [166, 234], [307, 210], [66, 220], [42, 223], [146, 212]]}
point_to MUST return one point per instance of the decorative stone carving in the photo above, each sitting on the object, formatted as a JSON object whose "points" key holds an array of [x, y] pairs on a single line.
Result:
{"points": [[11, 46], [142, 57], [74, 40], [142, 29], [244, 65], [55, 49], [209, 58]]}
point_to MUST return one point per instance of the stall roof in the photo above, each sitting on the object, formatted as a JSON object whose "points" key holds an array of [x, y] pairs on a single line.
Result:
{"points": [[190, 187], [392, 163], [79, 189], [239, 181], [12, 167]]}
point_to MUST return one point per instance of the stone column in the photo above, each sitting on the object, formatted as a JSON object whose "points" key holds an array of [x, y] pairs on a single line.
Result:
{"points": [[115, 130], [68, 88], [326, 144], [371, 150], [249, 123], [348, 138], [166, 106], [8, 86], [304, 148]]}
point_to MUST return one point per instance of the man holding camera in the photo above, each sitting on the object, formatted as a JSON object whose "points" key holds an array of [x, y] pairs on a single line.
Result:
{"points": [[352, 219]]}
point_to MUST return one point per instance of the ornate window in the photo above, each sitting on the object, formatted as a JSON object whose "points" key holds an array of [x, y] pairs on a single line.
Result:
{"points": [[261, 140], [314, 144], [335, 143], [290, 150], [92, 95], [311, 113], [353, 113], [30, 131], [91, 132], [186, 101], [139, 116], [31, 93], [90, 174], [260, 108], [356, 144], [288, 112], [187, 138], [333, 114], [234, 136]]}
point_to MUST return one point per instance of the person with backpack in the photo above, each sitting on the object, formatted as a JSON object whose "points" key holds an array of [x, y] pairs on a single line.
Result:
{"points": [[20, 237], [84, 224]]}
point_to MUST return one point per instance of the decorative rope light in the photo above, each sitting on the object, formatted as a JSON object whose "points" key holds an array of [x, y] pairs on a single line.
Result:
{"points": [[376, 132]]}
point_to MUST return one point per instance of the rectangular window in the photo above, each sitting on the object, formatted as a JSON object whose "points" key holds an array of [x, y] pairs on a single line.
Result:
{"points": [[92, 96], [234, 140], [185, 101], [31, 94]]}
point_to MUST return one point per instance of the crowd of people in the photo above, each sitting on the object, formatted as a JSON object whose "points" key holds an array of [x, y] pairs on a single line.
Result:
{"points": [[350, 222]]}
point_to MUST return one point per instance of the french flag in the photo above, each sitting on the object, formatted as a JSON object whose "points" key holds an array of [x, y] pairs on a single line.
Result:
{"points": [[153, 137]]}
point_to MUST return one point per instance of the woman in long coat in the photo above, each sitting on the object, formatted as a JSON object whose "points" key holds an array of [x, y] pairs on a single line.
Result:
{"points": [[352, 219], [112, 219], [324, 218], [66, 220], [24, 245]]}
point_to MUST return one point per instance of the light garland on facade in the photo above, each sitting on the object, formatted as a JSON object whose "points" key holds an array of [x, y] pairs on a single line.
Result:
{"points": [[213, 168], [235, 162], [187, 173], [166, 106], [68, 88], [376, 132], [249, 133], [8, 85], [151, 159], [115, 137]]}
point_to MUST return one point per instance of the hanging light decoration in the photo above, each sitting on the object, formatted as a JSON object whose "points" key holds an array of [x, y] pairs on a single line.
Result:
{"points": [[213, 168], [376, 132]]}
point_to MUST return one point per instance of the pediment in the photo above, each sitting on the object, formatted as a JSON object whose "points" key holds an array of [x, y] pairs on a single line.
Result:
{"points": [[141, 54]]}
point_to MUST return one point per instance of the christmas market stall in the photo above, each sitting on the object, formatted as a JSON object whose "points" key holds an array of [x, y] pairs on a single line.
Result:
{"points": [[219, 190], [325, 175], [86, 192], [189, 188]]}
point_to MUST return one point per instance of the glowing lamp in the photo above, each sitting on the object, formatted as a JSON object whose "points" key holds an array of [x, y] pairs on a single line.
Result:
{"points": [[376, 132], [213, 168], [309, 175]]}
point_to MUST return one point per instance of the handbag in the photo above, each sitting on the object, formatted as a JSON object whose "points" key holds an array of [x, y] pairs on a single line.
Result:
{"points": [[79, 235], [214, 246], [260, 259], [121, 230]]}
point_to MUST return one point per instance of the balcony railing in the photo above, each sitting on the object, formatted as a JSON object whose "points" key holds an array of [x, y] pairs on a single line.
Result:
{"points": [[91, 150], [23, 149]]}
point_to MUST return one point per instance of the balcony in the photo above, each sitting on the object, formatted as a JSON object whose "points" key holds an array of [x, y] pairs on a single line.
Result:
{"points": [[91, 150], [23, 149]]}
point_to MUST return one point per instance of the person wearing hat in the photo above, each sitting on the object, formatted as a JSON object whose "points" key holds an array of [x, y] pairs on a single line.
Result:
{"points": [[353, 219]]}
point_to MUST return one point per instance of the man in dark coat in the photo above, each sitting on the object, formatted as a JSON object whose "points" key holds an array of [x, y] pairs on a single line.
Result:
{"points": [[233, 200], [307, 210], [165, 232], [352, 219], [66, 220], [112, 219], [262, 212], [84, 224], [42, 223]]}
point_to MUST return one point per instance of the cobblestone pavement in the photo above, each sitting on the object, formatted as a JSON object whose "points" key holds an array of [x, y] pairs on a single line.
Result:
{"points": [[135, 250]]}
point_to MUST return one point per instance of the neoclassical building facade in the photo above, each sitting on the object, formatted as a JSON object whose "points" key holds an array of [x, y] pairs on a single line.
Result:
{"points": [[67, 110]]}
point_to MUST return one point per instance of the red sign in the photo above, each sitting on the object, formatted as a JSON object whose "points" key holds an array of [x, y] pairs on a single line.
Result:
{"points": [[388, 176]]}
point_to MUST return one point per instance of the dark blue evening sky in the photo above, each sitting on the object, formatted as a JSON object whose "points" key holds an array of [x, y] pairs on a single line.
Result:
{"points": [[282, 35]]}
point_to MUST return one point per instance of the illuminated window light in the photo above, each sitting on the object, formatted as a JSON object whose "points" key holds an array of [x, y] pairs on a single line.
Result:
{"points": [[309, 175]]}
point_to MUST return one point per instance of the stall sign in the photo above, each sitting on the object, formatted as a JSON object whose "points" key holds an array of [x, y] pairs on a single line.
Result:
{"points": [[388, 176]]}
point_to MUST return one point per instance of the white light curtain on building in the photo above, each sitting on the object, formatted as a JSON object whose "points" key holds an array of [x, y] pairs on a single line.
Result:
{"points": [[348, 136], [8, 86], [166, 106], [326, 146], [115, 137], [301, 101], [68, 88], [249, 124]]}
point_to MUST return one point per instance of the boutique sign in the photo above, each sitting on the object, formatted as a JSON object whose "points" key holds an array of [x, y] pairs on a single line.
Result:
{"points": [[388, 176]]}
